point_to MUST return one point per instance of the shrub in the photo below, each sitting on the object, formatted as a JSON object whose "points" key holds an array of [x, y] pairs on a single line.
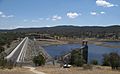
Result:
{"points": [[3, 61], [94, 62], [106, 61], [112, 59], [76, 58], [39, 60], [1, 49]]}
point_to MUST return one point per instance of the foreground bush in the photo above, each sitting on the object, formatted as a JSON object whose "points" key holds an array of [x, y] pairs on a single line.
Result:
{"points": [[4, 63], [39, 60], [94, 62], [76, 58], [112, 59]]}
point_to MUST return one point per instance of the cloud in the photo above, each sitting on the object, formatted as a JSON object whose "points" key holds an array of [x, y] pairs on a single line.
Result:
{"points": [[10, 16], [94, 13], [104, 3], [1, 13], [47, 18], [56, 17], [34, 21], [102, 12], [4, 16], [97, 13], [73, 14], [40, 18], [25, 20], [7, 16]]}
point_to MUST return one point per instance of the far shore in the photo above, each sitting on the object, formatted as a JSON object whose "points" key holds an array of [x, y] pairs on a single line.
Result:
{"points": [[98, 42]]}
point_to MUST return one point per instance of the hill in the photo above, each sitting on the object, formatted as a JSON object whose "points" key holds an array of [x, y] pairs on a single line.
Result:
{"points": [[72, 30]]}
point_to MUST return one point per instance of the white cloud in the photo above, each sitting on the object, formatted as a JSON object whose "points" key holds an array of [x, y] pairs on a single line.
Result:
{"points": [[102, 12], [93, 13], [47, 18], [104, 3], [10, 16], [40, 18], [73, 14], [56, 17], [1, 13], [34, 21], [25, 20], [4, 16]]}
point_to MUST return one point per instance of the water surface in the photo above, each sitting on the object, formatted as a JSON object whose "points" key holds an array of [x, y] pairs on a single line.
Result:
{"points": [[94, 52]]}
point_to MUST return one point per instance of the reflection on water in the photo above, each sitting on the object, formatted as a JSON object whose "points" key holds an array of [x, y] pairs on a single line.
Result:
{"points": [[94, 52]]}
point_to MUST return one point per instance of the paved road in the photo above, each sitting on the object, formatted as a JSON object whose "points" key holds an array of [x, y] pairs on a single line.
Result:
{"points": [[16, 54]]}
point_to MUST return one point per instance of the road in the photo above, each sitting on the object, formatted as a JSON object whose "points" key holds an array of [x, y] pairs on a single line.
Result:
{"points": [[18, 54]]}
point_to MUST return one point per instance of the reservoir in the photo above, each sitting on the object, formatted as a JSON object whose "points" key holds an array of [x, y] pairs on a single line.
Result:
{"points": [[94, 52]]}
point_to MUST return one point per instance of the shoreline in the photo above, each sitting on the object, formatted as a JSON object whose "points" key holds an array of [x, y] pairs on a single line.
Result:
{"points": [[78, 41]]}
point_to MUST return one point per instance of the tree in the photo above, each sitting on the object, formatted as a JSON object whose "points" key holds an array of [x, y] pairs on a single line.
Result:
{"points": [[76, 58], [3, 61], [106, 61], [1, 49], [112, 59], [39, 60]]}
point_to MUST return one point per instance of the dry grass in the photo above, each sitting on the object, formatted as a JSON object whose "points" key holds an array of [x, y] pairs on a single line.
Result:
{"points": [[77, 70], [15, 71], [58, 70]]}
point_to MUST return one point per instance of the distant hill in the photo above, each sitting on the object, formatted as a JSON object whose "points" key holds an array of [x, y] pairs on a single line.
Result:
{"points": [[70, 30]]}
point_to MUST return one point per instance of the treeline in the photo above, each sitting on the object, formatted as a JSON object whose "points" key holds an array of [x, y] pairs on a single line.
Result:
{"points": [[75, 31]]}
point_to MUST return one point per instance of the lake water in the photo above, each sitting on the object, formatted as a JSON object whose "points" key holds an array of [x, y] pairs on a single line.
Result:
{"points": [[116, 43], [94, 52]]}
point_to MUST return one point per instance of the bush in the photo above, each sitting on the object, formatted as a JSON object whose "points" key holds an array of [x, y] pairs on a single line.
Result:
{"points": [[76, 58], [39, 60], [3, 61], [112, 59], [106, 61], [1, 49], [94, 62], [10, 64]]}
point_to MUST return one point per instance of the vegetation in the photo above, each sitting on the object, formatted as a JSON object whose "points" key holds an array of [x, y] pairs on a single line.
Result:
{"points": [[106, 60], [39, 60], [7, 37], [4, 63], [109, 32], [112, 59], [94, 62], [1, 49], [76, 58]]}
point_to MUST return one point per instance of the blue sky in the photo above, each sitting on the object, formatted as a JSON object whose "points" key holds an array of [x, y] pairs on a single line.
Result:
{"points": [[46, 13]]}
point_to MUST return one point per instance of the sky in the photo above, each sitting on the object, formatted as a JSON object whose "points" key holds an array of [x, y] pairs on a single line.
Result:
{"points": [[47, 13]]}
